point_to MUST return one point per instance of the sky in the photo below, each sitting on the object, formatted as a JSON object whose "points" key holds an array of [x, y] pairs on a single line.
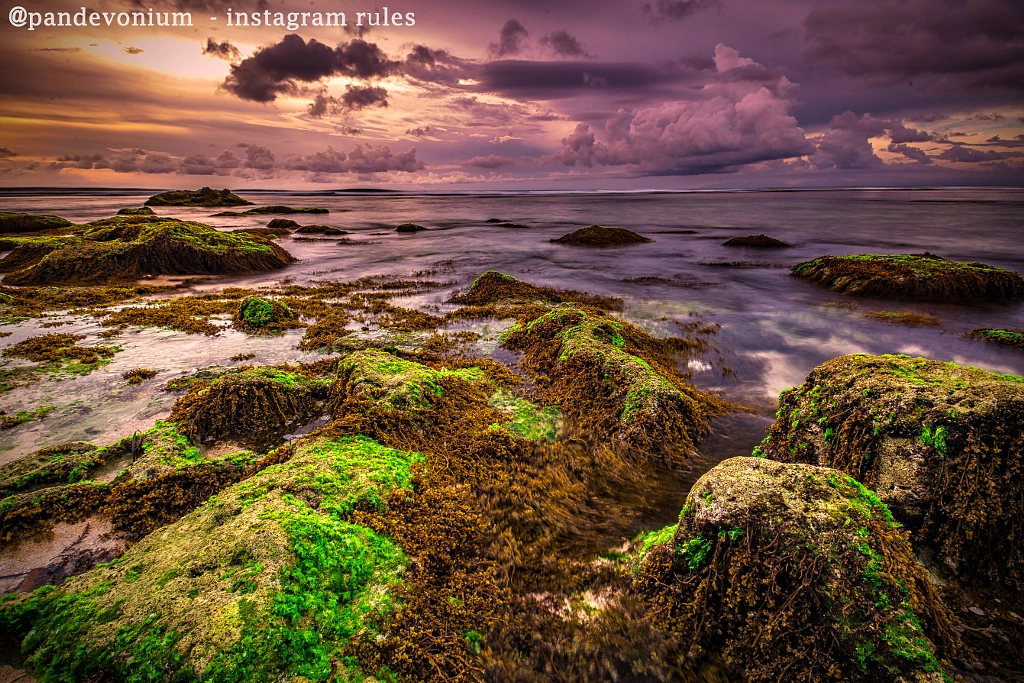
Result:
{"points": [[517, 94]]}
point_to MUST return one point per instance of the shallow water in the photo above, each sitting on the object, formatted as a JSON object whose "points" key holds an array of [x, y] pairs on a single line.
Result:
{"points": [[773, 328]]}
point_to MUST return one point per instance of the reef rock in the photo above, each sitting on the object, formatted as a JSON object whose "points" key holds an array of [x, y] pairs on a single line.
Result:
{"points": [[600, 236], [759, 241], [204, 196], [30, 222]]}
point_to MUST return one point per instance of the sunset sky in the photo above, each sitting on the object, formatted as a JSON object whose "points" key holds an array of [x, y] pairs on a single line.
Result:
{"points": [[522, 94]]}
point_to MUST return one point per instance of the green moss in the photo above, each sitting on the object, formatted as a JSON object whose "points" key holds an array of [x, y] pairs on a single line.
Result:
{"points": [[23, 416], [1007, 337], [397, 383], [527, 419]]}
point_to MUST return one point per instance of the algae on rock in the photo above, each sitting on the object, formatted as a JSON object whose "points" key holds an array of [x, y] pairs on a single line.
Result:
{"points": [[942, 444], [204, 196], [798, 573], [30, 222]]}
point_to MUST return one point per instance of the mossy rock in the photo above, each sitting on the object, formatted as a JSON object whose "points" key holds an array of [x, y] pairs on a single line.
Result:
{"points": [[319, 230], [267, 581], [795, 572], [266, 233], [204, 196], [131, 247], [921, 277], [600, 236], [942, 444], [1007, 337], [256, 315], [757, 241], [274, 209], [493, 287], [162, 450], [61, 351], [385, 381], [282, 224], [63, 464], [594, 373], [136, 211], [256, 407], [409, 227], [30, 222]]}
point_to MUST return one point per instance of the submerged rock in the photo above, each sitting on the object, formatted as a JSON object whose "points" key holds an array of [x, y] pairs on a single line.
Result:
{"points": [[266, 582], [30, 222], [131, 247], [1008, 337], [204, 196], [262, 316], [923, 277], [409, 227], [266, 233], [139, 211], [320, 230], [759, 241], [781, 568], [942, 444], [274, 208], [282, 224], [600, 236]]}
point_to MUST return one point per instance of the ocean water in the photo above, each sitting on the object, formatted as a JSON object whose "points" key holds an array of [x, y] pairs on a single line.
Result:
{"points": [[772, 328]]}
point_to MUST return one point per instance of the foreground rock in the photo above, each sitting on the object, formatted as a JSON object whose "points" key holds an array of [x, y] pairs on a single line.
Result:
{"points": [[922, 277], [757, 241], [943, 445], [793, 568], [268, 581], [600, 236], [30, 222], [204, 196], [127, 248]]}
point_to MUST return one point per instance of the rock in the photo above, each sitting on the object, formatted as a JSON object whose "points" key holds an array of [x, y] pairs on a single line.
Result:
{"points": [[600, 236], [759, 241], [275, 208], [139, 211], [65, 463], [282, 223], [921, 277], [262, 316], [30, 222], [1007, 337], [409, 227], [127, 248], [785, 567], [266, 233], [493, 287], [204, 196], [941, 444], [320, 230]]}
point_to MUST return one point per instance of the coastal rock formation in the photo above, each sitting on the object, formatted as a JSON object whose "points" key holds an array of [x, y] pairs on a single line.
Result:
{"points": [[320, 230], [941, 444], [759, 241], [282, 224], [138, 211], [267, 233], [795, 572], [409, 227], [204, 196], [256, 315], [274, 208], [30, 222], [493, 287], [127, 248], [922, 277], [600, 236]]}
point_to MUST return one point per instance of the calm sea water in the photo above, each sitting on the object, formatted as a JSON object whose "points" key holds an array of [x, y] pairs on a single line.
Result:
{"points": [[773, 328]]}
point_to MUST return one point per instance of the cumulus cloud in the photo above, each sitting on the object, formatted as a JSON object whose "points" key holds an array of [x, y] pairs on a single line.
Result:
{"points": [[362, 159], [280, 68], [225, 50], [79, 161], [360, 97], [964, 154], [564, 44], [6, 153], [971, 42], [419, 131], [737, 124], [918, 155], [845, 144], [435, 66], [200, 164], [258, 158], [510, 39]]}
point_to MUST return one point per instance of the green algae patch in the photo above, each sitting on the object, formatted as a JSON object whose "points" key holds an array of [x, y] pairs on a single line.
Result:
{"points": [[256, 315], [274, 209], [136, 211], [906, 318], [266, 581], [204, 196], [382, 379], [600, 236], [61, 353], [66, 463], [922, 277], [1007, 337], [795, 572], [941, 444], [131, 247], [527, 419], [612, 379], [22, 416], [493, 287], [255, 406], [30, 222]]}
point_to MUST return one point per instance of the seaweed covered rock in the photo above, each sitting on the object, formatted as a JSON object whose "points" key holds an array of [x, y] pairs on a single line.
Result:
{"points": [[378, 378], [612, 379], [268, 581], [797, 573], [131, 247], [30, 222], [136, 211], [600, 236], [256, 315], [62, 349], [1007, 337], [256, 407], [274, 209], [319, 230], [63, 464], [204, 196], [941, 444], [923, 277], [266, 233], [409, 227], [493, 287], [282, 224], [758, 241]]}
